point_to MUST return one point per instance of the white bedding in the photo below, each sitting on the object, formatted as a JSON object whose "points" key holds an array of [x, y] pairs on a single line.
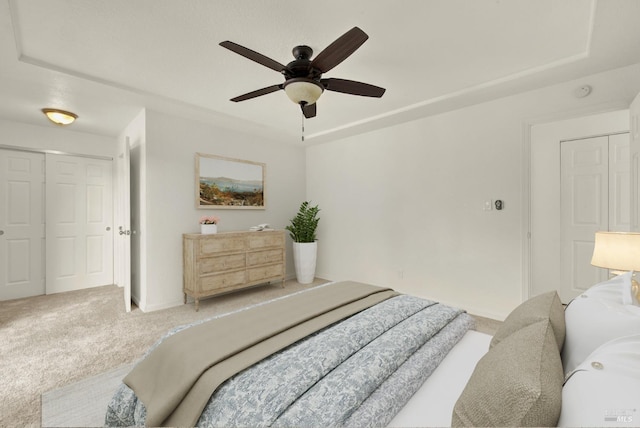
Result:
{"points": [[432, 405]]}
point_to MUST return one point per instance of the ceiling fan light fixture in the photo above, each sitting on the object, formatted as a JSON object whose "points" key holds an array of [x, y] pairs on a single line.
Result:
{"points": [[303, 91], [59, 117]]}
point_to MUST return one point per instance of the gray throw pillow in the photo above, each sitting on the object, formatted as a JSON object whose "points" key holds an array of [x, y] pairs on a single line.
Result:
{"points": [[542, 307], [517, 383]]}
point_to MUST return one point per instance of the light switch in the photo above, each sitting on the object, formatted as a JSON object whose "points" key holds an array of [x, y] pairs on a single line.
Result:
{"points": [[488, 205]]}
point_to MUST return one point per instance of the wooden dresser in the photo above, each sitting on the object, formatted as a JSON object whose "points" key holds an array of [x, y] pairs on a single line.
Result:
{"points": [[224, 262]]}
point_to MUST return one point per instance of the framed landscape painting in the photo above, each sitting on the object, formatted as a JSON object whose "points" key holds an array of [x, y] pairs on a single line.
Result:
{"points": [[224, 183]]}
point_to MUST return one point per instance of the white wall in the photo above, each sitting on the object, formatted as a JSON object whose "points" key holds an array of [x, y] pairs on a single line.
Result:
{"points": [[171, 145], [53, 137], [403, 206]]}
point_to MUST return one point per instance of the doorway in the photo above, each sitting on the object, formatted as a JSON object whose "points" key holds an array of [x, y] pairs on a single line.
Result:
{"points": [[56, 231], [548, 253], [595, 195]]}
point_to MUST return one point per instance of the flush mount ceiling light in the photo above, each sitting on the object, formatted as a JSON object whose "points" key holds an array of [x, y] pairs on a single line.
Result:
{"points": [[60, 117]]}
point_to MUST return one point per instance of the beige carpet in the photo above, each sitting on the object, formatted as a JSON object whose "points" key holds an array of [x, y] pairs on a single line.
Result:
{"points": [[74, 348], [47, 342], [84, 403]]}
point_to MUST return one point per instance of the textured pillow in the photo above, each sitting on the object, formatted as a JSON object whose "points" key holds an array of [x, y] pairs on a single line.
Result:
{"points": [[517, 383], [605, 389], [594, 318], [542, 307]]}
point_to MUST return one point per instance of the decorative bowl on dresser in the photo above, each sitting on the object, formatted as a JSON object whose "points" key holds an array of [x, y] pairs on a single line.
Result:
{"points": [[229, 261]]}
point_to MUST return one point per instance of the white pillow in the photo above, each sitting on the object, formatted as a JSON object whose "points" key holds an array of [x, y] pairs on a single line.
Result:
{"points": [[605, 389], [596, 317], [616, 290]]}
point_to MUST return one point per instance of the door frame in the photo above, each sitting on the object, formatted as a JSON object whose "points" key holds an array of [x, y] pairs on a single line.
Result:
{"points": [[122, 219], [528, 125]]}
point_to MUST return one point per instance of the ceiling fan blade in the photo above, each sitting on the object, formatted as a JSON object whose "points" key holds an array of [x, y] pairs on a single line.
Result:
{"points": [[352, 87], [339, 50], [253, 56], [257, 93], [309, 110]]}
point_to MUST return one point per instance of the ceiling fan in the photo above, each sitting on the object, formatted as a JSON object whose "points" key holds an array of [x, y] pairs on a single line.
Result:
{"points": [[303, 76]]}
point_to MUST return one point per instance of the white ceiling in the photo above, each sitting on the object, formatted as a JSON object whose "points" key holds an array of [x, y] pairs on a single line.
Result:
{"points": [[105, 60]]}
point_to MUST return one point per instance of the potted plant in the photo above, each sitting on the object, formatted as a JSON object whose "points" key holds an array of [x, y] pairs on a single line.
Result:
{"points": [[305, 247], [209, 224]]}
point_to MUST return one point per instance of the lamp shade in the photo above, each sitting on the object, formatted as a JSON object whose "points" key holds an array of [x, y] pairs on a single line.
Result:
{"points": [[617, 251], [302, 90]]}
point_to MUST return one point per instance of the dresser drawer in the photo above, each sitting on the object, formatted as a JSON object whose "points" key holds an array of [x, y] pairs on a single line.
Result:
{"points": [[265, 272], [264, 257], [221, 244], [265, 239], [222, 263], [223, 280]]}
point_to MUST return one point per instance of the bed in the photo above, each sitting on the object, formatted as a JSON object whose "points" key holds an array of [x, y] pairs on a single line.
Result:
{"points": [[389, 360]]}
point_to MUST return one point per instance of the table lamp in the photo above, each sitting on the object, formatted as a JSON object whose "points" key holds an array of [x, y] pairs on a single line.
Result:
{"points": [[619, 252]]}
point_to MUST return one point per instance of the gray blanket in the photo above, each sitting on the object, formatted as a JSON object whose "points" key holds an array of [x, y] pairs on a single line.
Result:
{"points": [[177, 379], [358, 372]]}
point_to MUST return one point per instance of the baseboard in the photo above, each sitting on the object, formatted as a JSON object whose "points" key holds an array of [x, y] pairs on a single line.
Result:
{"points": [[136, 300], [160, 306], [156, 307]]}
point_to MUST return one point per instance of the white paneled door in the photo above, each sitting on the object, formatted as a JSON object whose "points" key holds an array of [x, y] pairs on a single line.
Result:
{"points": [[595, 195], [620, 182], [79, 233], [22, 260]]}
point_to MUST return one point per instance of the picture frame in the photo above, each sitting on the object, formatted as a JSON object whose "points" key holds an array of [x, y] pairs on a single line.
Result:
{"points": [[227, 183]]}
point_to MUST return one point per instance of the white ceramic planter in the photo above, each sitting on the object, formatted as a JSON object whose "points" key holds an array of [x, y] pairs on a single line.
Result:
{"points": [[208, 229], [304, 260]]}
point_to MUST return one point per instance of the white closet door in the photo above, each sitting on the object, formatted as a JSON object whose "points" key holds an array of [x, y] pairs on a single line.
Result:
{"points": [[584, 211], [21, 224], [79, 211], [595, 196], [620, 183]]}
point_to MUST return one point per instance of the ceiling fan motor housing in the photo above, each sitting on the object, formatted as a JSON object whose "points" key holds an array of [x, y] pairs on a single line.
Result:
{"points": [[301, 66]]}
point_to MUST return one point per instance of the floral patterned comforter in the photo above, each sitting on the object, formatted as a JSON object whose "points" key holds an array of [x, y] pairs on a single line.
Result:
{"points": [[358, 372]]}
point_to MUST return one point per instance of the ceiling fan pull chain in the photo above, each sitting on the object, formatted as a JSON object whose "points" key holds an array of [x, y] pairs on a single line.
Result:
{"points": [[302, 127]]}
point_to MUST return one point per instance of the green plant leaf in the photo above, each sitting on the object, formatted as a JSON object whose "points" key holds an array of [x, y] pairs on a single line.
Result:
{"points": [[304, 225]]}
